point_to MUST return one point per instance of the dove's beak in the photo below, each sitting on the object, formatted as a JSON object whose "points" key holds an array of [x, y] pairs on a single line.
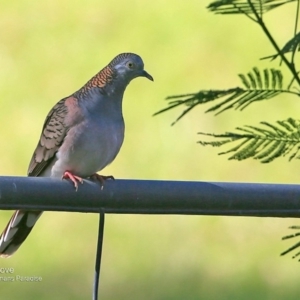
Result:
{"points": [[147, 75]]}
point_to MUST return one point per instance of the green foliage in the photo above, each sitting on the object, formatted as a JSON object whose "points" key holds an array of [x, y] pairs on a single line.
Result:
{"points": [[245, 7], [294, 246], [258, 86], [262, 143]]}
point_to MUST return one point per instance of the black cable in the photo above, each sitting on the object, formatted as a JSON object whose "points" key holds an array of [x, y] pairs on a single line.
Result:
{"points": [[98, 254]]}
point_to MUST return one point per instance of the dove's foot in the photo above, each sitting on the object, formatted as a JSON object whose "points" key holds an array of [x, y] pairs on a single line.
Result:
{"points": [[75, 179], [101, 178]]}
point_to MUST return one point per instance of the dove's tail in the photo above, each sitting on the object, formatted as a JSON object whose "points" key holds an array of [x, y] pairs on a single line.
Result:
{"points": [[17, 230]]}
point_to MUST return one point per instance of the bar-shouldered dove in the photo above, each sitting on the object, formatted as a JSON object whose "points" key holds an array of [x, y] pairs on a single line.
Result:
{"points": [[81, 135]]}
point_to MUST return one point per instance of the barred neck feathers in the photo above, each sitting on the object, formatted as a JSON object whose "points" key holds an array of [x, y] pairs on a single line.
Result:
{"points": [[103, 80]]}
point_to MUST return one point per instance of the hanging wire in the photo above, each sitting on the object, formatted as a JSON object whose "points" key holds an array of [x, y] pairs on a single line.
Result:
{"points": [[98, 254]]}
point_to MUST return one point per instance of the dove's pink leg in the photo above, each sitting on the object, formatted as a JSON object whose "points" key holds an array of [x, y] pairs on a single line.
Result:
{"points": [[75, 179]]}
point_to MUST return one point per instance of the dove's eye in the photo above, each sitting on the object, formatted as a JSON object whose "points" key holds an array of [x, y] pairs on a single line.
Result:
{"points": [[130, 65]]}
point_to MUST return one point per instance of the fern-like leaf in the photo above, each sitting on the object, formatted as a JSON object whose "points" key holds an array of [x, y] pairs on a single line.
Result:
{"points": [[257, 86], [295, 246], [244, 7], [264, 143]]}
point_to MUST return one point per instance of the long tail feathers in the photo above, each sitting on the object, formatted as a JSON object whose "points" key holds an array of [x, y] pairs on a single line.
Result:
{"points": [[17, 230]]}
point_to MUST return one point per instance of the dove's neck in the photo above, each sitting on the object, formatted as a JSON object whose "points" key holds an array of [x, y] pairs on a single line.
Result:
{"points": [[108, 81], [114, 89], [105, 103]]}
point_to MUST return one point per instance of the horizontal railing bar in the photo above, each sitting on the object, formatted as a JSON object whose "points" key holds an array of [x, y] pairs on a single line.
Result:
{"points": [[152, 197]]}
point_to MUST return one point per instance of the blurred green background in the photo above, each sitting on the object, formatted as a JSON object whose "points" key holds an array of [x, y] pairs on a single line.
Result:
{"points": [[49, 49]]}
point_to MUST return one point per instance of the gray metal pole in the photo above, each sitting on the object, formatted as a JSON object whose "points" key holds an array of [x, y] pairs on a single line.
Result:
{"points": [[152, 197]]}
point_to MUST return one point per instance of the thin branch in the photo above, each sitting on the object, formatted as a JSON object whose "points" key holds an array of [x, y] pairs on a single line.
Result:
{"points": [[273, 42], [295, 31]]}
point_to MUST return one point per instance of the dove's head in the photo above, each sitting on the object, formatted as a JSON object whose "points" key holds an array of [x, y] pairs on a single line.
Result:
{"points": [[129, 66]]}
